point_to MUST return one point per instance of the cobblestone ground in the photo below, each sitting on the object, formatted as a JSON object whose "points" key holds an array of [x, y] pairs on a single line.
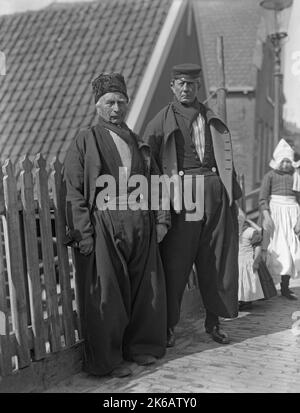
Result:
{"points": [[264, 356]]}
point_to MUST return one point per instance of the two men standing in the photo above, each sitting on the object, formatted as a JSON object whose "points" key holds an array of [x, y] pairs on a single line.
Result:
{"points": [[125, 307]]}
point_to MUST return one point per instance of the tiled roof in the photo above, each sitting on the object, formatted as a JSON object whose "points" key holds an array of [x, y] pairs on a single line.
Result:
{"points": [[52, 56], [237, 21]]}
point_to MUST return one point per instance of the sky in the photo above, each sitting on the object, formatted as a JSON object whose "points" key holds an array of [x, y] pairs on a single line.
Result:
{"points": [[290, 65], [12, 6]]}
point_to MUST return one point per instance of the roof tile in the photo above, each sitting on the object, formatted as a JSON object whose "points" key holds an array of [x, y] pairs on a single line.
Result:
{"points": [[238, 24], [52, 57]]}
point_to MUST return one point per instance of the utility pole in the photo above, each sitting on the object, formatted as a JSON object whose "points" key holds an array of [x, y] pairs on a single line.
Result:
{"points": [[277, 27]]}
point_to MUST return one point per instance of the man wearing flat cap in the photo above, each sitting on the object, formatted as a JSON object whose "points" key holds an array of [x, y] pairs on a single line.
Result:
{"points": [[188, 140], [119, 274]]}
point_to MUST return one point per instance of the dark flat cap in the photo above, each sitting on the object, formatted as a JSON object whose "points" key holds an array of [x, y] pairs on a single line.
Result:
{"points": [[186, 71], [109, 82]]}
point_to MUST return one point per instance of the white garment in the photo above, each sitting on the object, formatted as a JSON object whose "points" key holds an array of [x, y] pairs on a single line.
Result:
{"points": [[249, 284], [284, 151], [283, 257], [198, 135], [124, 151]]}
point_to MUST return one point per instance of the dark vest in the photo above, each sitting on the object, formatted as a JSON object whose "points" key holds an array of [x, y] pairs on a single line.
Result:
{"points": [[187, 156]]}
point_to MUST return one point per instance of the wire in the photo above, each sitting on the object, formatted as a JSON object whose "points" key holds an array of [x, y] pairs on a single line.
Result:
{"points": [[213, 94]]}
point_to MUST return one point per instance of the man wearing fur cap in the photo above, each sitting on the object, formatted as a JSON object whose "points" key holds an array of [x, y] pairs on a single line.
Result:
{"points": [[119, 274]]}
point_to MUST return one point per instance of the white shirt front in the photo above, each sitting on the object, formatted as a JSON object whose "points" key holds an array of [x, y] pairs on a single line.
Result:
{"points": [[198, 136], [124, 151]]}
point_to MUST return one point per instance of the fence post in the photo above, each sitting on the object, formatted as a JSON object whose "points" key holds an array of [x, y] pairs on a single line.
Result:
{"points": [[47, 253], [31, 248], [16, 276], [58, 193], [5, 352]]}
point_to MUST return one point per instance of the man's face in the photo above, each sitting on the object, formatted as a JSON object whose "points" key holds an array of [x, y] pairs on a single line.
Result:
{"points": [[112, 107], [185, 90]]}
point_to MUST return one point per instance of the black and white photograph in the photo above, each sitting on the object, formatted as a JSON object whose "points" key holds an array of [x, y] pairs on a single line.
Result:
{"points": [[149, 199]]}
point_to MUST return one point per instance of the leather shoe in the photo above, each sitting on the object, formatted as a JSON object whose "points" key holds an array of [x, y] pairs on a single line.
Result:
{"points": [[289, 294], [143, 359], [170, 337], [218, 335], [245, 305], [121, 371]]}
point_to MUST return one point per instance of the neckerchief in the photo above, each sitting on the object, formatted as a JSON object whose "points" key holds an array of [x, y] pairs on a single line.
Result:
{"points": [[108, 150], [123, 131], [188, 113]]}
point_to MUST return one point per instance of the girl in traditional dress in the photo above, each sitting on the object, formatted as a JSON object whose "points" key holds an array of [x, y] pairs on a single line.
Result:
{"points": [[249, 256], [281, 217]]}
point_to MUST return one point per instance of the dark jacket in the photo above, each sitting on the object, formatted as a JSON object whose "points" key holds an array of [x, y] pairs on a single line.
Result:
{"points": [[82, 167], [160, 135]]}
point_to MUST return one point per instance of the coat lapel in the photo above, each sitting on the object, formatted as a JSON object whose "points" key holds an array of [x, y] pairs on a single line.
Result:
{"points": [[170, 160], [223, 152]]}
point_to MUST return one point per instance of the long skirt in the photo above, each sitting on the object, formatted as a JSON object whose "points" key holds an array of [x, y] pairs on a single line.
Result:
{"points": [[121, 291], [249, 284], [283, 257]]}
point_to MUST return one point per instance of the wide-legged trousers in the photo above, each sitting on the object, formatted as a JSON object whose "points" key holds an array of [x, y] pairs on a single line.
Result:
{"points": [[212, 244], [121, 291]]}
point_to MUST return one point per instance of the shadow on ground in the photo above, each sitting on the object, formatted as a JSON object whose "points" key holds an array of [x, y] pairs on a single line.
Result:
{"points": [[267, 317]]}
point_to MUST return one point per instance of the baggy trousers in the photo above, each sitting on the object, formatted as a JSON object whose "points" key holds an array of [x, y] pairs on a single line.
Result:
{"points": [[121, 291], [212, 244]]}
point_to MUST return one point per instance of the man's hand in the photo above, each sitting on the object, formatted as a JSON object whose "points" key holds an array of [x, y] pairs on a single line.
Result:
{"points": [[86, 245], [161, 230], [297, 228]]}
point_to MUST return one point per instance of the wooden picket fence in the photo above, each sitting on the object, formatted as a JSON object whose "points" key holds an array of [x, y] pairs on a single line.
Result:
{"points": [[38, 313], [39, 320]]}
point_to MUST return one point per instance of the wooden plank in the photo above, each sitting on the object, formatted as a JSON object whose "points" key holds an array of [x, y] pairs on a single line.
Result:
{"points": [[15, 264], [58, 194], [20, 207], [76, 292], [32, 259], [47, 252], [5, 351], [42, 374], [13, 341]]}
